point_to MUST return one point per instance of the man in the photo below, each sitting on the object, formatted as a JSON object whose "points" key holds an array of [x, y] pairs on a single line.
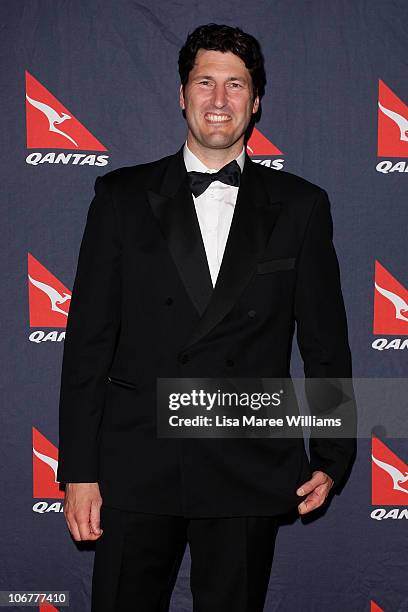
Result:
{"points": [[179, 276]]}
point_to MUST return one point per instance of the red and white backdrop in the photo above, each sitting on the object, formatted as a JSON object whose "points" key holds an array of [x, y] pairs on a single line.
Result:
{"points": [[91, 86]]}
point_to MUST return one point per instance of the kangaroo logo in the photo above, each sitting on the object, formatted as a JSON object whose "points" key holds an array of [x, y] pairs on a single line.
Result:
{"points": [[390, 304], [53, 295], [401, 122], [44, 112], [48, 298], [389, 476], [53, 117], [392, 123]]}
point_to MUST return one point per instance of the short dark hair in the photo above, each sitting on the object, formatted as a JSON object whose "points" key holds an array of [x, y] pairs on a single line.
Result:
{"points": [[215, 37]]}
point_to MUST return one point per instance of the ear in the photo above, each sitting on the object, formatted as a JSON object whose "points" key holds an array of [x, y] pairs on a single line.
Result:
{"points": [[255, 105], [182, 104]]}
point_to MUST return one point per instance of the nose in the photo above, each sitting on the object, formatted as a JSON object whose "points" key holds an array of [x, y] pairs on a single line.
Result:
{"points": [[220, 96]]}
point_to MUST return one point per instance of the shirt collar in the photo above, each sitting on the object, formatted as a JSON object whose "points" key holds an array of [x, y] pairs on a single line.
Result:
{"points": [[192, 162]]}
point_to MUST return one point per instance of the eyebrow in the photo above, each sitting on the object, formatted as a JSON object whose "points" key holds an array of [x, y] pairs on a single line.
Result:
{"points": [[231, 78]]}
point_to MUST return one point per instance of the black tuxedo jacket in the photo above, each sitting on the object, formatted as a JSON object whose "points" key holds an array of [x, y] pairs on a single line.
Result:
{"points": [[143, 306]]}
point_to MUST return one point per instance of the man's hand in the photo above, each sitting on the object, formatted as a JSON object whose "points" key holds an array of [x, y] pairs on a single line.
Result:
{"points": [[316, 489], [82, 506]]}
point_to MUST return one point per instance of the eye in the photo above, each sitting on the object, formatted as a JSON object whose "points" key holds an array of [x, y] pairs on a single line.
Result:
{"points": [[238, 85]]}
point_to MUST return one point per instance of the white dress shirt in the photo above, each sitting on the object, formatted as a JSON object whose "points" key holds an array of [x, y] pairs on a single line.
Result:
{"points": [[215, 209]]}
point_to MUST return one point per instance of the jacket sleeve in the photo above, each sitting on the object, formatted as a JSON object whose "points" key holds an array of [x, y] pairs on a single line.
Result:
{"points": [[322, 336], [90, 340]]}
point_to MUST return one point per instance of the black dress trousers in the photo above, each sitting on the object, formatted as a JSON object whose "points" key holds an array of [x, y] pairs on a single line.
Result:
{"points": [[138, 557]]}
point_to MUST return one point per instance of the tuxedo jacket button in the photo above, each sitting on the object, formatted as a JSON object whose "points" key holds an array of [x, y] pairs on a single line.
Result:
{"points": [[169, 301], [229, 362], [184, 358], [252, 313]]}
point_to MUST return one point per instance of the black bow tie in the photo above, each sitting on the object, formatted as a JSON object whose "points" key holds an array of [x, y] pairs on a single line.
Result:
{"points": [[229, 174]]}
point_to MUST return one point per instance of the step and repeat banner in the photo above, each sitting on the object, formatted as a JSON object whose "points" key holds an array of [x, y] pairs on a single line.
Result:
{"points": [[88, 87]]}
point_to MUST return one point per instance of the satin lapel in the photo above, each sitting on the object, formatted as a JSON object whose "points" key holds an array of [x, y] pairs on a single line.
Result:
{"points": [[173, 207], [254, 217]]}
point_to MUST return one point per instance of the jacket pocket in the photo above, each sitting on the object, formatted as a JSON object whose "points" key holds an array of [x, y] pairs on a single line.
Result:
{"points": [[122, 382], [271, 265]]}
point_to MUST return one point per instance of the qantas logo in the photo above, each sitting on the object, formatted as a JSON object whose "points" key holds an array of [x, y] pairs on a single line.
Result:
{"points": [[389, 482], [53, 119], [399, 120], [389, 476], [392, 130], [48, 301], [258, 146], [45, 464], [375, 607], [400, 305], [392, 123], [48, 297], [390, 309], [52, 126]]}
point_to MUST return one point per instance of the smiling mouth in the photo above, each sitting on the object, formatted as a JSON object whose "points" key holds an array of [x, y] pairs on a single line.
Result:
{"points": [[216, 119]]}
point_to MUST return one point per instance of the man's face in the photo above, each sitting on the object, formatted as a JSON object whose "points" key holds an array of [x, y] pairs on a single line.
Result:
{"points": [[218, 99]]}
